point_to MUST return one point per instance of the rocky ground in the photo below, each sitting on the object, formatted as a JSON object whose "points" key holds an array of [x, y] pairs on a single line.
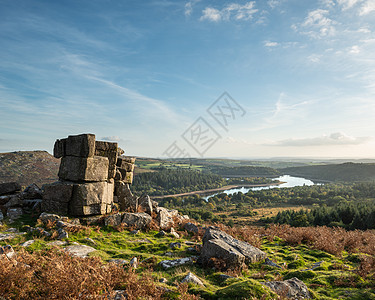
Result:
{"points": [[187, 261]]}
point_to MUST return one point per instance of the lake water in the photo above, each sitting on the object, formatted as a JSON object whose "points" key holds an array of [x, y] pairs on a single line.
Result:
{"points": [[289, 181]]}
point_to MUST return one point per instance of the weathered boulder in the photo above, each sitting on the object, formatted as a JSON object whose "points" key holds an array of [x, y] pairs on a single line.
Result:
{"points": [[84, 168], [126, 177], [292, 288], [46, 218], [9, 188], [56, 197], [82, 145], [145, 203], [136, 220], [113, 220], [13, 201], [218, 244], [14, 213], [190, 227], [79, 250], [109, 150], [166, 217], [88, 210], [27, 243], [85, 194], [7, 251], [192, 278], [166, 264], [125, 197], [59, 148], [32, 192], [123, 160]]}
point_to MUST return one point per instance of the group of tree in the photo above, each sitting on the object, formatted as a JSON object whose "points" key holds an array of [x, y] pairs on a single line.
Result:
{"points": [[174, 181], [346, 172], [243, 171], [351, 215]]}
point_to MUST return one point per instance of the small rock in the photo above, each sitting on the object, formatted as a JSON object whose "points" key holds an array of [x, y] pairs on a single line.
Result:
{"points": [[176, 245], [7, 251], [62, 234], [120, 295], [119, 261], [56, 243], [32, 192], [134, 232], [45, 217], [163, 280], [90, 240], [166, 264], [1, 216], [190, 227], [292, 288], [134, 263], [145, 203], [174, 233], [13, 201], [14, 213], [191, 278], [161, 233], [269, 262], [79, 250], [225, 276], [27, 243], [169, 254], [13, 230]]}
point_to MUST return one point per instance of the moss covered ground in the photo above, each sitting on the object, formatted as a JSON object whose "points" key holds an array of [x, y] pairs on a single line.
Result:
{"points": [[326, 275]]}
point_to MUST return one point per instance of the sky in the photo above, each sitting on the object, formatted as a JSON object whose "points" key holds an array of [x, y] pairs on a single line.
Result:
{"points": [[200, 78]]}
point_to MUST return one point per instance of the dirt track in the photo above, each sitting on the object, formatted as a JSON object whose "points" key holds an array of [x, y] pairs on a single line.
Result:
{"points": [[227, 187]]}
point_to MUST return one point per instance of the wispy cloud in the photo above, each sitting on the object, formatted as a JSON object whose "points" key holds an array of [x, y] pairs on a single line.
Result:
{"points": [[189, 7], [347, 4], [113, 138], [270, 44], [231, 11], [367, 7], [317, 24], [333, 139]]}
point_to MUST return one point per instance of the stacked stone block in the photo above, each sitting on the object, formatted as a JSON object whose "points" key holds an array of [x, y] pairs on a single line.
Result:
{"points": [[86, 185], [123, 178]]}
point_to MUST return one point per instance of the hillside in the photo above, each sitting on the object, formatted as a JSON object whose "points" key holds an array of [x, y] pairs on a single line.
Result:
{"points": [[347, 172], [27, 167]]}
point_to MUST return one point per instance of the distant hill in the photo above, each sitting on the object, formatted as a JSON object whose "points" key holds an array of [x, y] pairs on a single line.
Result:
{"points": [[347, 172], [26, 167]]}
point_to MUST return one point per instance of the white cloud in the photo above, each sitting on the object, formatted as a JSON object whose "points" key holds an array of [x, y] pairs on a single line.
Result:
{"points": [[367, 7], [354, 50], [328, 3], [273, 3], [315, 58], [232, 10], [347, 4], [211, 14], [333, 139], [189, 7], [318, 24], [270, 44], [113, 138]]}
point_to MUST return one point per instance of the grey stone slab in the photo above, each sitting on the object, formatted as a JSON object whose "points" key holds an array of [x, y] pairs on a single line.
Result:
{"points": [[80, 169]]}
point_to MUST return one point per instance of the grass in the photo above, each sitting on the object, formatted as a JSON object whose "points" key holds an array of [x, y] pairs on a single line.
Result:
{"points": [[346, 272]]}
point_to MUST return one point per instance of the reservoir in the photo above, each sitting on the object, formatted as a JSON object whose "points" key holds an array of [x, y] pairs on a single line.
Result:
{"points": [[288, 181]]}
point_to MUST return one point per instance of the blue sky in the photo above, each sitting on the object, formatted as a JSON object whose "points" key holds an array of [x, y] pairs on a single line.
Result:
{"points": [[142, 72]]}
